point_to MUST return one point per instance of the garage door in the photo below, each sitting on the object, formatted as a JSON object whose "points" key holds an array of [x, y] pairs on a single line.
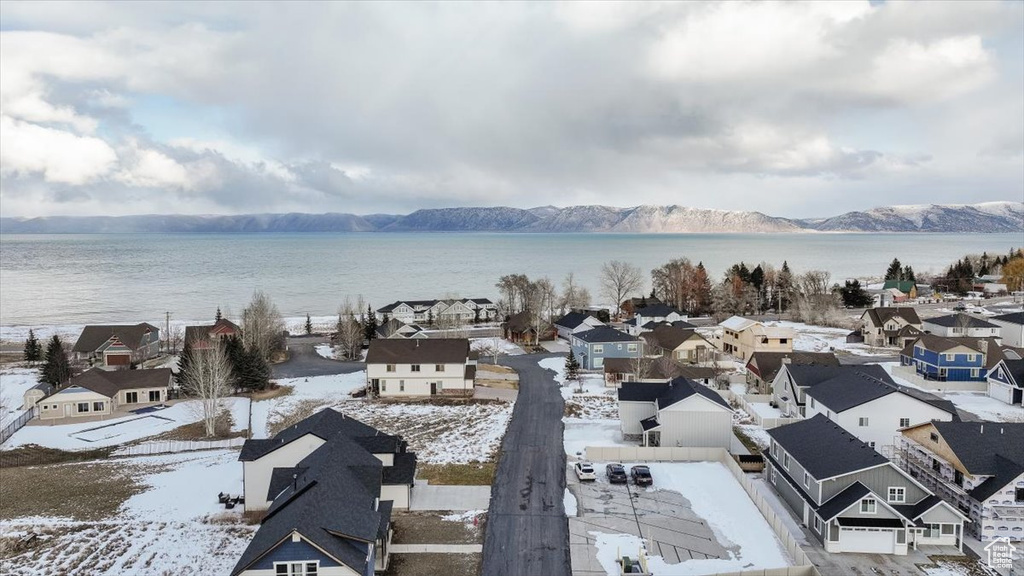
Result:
{"points": [[877, 540], [119, 359]]}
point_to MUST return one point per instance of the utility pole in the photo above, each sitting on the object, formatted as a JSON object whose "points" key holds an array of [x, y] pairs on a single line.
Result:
{"points": [[167, 334]]}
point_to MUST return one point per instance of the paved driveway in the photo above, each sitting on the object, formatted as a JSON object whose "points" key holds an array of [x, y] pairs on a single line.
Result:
{"points": [[456, 498], [527, 531], [303, 361]]}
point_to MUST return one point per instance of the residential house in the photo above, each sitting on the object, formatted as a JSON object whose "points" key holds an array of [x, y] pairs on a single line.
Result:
{"points": [[1011, 328], [658, 313], [464, 311], [521, 328], [978, 467], [850, 497], [741, 337], [789, 388], [682, 345], [764, 366], [947, 359], [874, 409], [1006, 382], [907, 289], [33, 395], [576, 321], [594, 346], [619, 370], [679, 413], [420, 367], [100, 393], [329, 485], [395, 328], [117, 346], [203, 336], [890, 326], [631, 305], [958, 325]]}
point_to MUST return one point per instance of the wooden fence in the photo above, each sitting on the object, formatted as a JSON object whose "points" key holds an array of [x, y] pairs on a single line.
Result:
{"points": [[17, 423], [804, 566], [169, 446]]}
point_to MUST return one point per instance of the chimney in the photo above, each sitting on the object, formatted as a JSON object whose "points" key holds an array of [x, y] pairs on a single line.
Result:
{"points": [[787, 360]]}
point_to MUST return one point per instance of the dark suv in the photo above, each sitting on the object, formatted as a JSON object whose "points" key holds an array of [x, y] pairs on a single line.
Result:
{"points": [[641, 475], [616, 473]]}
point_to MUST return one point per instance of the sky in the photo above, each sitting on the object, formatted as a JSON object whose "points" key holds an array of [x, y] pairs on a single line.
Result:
{"points": [[793, 109]]}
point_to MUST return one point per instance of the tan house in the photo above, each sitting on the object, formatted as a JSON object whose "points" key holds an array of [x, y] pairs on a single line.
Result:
{"points": [[683, 345], [893, 326], [118, 346], [741, 337], [101, 392], [762, 367], [420, 367]]}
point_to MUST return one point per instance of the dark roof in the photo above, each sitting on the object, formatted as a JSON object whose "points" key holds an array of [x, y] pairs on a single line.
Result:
{"points": [[43, 387], [418, 351], [871, 522], [694, 372], [655, 370], [824, 449], [1016, 370], [1012, 318], [109, 383], [403, 469], [914, 511], [130, 335], [986, 449], [649, 423], [880, 316], [960, 321], [325, 424], [942, 343], [657, 310], [605, 334], [670, 337], [520, 322], [767, 364], [853, 387], [572, 319], [848, 497], [641, 391], [667, 394], [806, 375], [280, 478], [1004, 471]]}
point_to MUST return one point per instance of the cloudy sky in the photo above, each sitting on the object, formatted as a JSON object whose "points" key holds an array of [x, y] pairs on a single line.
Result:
{"points": [[792, 109]]}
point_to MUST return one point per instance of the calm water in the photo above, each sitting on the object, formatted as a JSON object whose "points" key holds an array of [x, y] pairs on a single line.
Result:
{"points": [[77, 279]]}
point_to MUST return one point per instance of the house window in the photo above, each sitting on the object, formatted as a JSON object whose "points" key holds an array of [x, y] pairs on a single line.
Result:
{"points": [[785, 460], [83, 407], [897, 494], [812, 402], [131, 397], [1018, 494], [934, 437], [975, 372], [631, 348], [390, 368], [296, 568], [401, 385], [868, 506], [904, 422], [931, 531], [871, 444], [785, 341], [971, 357], [154, 395], [383, 385], [949, 357], [817, 524], [807, 480], [862, 422], [97, 406], [947, 530], [438, 367], [415, 367], [598, 348]]}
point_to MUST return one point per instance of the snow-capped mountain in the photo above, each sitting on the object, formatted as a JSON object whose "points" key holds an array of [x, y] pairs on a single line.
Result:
{"points": [[682, 219], [984, 217]]}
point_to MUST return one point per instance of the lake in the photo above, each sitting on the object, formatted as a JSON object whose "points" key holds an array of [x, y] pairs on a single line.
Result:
{"points": [[79, 279]]}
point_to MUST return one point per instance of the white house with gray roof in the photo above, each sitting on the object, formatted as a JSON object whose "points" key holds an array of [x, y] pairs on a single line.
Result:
{"points": [[677, 413], [1006, 382], [1011, 328], [850, 497], [408, 367], [959, 325]]}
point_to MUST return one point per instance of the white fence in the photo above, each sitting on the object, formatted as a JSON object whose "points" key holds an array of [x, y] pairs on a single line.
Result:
{"points": [[744, 401], [804, 566], [168, 446]]}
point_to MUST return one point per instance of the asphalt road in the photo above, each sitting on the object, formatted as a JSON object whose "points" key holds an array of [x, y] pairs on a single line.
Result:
{"points": [[527, 531], [303, 361]]}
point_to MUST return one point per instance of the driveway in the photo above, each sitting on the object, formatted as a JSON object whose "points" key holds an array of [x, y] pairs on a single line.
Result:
{"points": [[303, 361], [427, 497], [527, 531]]}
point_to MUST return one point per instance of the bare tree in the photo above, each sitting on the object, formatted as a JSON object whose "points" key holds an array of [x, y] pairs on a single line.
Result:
{"points": [[348, 332], [262, 326], [619, 279], [642, 365], [574, 296], [816, 303], [208, 378]]}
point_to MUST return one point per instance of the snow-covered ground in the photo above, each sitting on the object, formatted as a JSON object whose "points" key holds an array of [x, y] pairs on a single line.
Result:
{"points": [[715, 496], [569, 502], [757, 434], [810, 338], [174, 526], [580, 433], [765, 410], [13, 384], [504, 347], [977, 403], [325, 350]]}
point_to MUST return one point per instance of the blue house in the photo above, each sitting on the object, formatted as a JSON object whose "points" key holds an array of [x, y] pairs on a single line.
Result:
{"points": [[946, 359], [593, 346]]}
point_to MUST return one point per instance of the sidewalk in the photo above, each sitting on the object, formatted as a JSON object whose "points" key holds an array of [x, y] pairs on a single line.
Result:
{"points": [[436, 548]]}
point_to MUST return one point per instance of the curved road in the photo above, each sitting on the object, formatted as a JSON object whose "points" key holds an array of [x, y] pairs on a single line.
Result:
{"points": [[527, 531], [303, 361]]}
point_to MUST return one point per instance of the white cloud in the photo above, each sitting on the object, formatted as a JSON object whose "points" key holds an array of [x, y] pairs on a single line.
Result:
{"points": [[146, 168], [58, 156]]}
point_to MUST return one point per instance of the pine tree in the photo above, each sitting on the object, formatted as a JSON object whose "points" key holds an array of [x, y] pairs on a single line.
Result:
{"points": [[430, 317], [309, 325], [702, 290], [895, 270], [185, 362], [784, 286], [253, 372], [572, 368], [57, 370], [908, 274], [235, 351], [33, 349], [218, 316], [370, 328], [654, 295]]}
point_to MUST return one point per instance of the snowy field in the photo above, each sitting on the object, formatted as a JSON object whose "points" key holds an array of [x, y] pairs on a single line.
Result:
{"points": [[811, 338], [715, 496], [504, 347], [977, 403], [580, 433], [13, 384], [174, 526]]}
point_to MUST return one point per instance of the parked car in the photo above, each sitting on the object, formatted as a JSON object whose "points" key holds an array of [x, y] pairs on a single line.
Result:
{"points": [[641, 475], [585, 471], [960, 307], [616, 473]]}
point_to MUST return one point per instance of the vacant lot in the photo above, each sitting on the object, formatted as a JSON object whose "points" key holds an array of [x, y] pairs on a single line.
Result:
{"points": [[438, 528], [87, 491], [434, 564]]}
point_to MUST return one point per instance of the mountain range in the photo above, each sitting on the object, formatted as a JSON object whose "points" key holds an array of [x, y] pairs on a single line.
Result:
{"points": [[988, 217]]}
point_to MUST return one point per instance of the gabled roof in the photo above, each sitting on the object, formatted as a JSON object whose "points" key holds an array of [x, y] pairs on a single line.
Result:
{"points": [[657, 310], [853, 387], [418, 351], [904, 286], [768, 364], [979, 445], [824, 448], [667, 394], [574, 319], [879, 316], [670, 337], [1014, 369], [641, 391], [848, 497], [520, 322], [960, 321], [605, 334], [1011, 318], [935, 343], [737, 323], [110, 383], [806, 375], [130, 335], [325, 424]]}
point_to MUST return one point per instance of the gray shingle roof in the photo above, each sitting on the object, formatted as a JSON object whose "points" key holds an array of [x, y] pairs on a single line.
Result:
{"points": [[572, 320], [986, 449], [657, 310], [1016, 370], [94, 336], [960, 321], [418, 351], [880, 316], [853, 387], [641, 391], [842, 501], [605, 334], [806, 375], [109, 383], [824, 449], [768, 364], [1012, 318], [667, 394], [325, 425]]}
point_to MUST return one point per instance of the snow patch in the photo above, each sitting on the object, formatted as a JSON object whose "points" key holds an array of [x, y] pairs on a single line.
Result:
{"points": [[569, 502]]}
